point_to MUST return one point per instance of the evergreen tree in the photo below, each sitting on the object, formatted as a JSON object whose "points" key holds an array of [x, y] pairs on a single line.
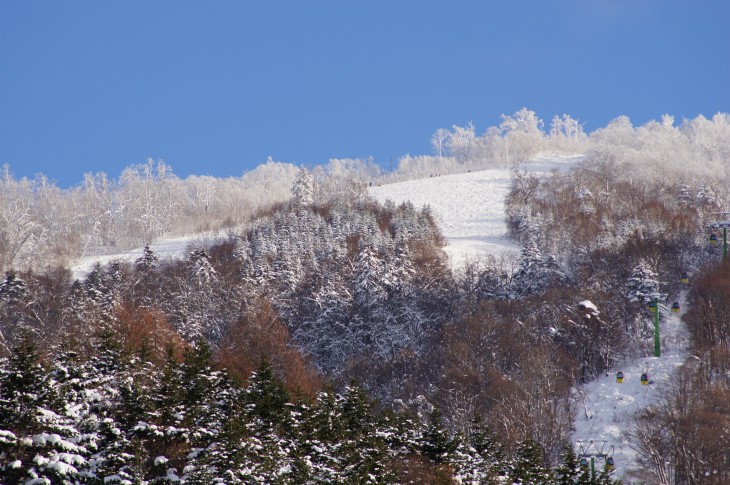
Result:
{"points": [[39, 442], [13, 296], [527, 465], [642, 284], [436, 443], [485, 444], [569, 470], [536, 274], [148, 261], [266, 396], [303, 191]]}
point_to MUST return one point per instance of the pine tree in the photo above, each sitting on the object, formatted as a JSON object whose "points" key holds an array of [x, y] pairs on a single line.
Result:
{"points": [[13, 296], [485, 444], [363, 451], [266, 396], [39, 441], [536, 274], [568, 471], [527, 464], [148, 261], [642, 284], [436, 443], [302, 191]]}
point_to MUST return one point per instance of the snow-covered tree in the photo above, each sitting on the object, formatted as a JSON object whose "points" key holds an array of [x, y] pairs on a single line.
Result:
{"points": [[642, 284], [303, 190]]}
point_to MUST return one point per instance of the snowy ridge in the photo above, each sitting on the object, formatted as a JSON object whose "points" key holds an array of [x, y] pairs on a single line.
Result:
{"points": [[606, 409]]}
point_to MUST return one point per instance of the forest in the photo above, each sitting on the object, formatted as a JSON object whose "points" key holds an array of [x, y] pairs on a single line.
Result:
{"points": [[323, 337]]}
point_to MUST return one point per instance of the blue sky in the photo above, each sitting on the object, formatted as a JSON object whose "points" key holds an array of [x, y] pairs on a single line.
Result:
{"points": [[217, 87]]}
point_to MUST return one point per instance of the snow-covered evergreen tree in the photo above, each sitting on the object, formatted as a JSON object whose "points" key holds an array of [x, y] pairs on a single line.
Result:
{"points": [[303, 190], [536, 273], [642, 284]]}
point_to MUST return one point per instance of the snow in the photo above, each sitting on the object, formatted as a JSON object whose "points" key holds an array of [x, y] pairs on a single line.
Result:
{"points": [[589, 305], [469, 207], [606, 408], [161, 460]]}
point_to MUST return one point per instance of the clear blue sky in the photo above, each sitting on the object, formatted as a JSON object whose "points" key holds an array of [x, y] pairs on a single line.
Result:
{"points": [[214, 87]]}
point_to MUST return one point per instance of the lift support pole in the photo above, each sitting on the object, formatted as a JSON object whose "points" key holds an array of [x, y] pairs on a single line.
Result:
{"points": [[657, 346]]}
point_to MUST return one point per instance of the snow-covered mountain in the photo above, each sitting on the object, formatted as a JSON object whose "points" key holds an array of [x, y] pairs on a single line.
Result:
{"points": [[470, 211]]}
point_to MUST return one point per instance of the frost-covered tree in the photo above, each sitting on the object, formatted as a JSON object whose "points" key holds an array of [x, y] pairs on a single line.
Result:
{"points": [[536, 273], [303, 190], [642, 284], [439, 140]]}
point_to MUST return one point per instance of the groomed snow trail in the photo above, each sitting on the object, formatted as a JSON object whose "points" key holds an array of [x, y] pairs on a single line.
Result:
{"points": [[607, 409], [469, 207]]}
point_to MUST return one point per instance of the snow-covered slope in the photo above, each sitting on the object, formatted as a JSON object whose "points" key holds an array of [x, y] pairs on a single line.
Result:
{"points": [[164, 248], [607, 408], [469, 207]]}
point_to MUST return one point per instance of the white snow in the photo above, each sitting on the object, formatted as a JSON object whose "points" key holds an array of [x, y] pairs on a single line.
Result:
{"points": [[469, 207], [589, 305], [161, 460]]}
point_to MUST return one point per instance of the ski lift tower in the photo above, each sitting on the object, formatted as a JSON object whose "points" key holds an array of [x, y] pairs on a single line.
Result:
{"points": [[655, 309], [592, 449], [724, 224]]}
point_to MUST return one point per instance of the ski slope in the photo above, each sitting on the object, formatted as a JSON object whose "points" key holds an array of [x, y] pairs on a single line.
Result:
{"points": [[469, 207], [607, 409]]}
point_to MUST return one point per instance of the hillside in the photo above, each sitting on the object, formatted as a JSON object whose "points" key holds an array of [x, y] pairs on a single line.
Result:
{"points": [[469, 208]]}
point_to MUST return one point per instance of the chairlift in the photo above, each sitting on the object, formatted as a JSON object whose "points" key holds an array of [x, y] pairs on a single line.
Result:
{"points": [[675, 307], [583, 461], [644, 379], [713, 238], [619, 377], [610, 463], [684, 278], [653, 306]]}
